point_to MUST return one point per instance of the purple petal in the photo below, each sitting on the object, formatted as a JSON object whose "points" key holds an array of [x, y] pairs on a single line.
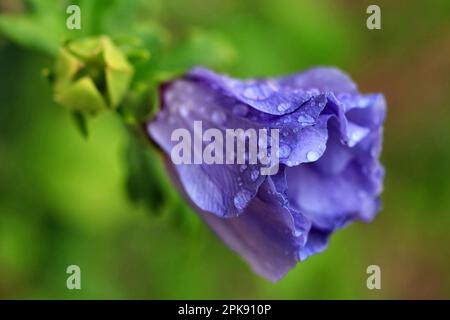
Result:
{"points": [[330, 174], [268, 235]]}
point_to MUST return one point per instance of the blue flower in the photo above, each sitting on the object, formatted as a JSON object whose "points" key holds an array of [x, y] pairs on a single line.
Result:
{"points": [[329, 171]]}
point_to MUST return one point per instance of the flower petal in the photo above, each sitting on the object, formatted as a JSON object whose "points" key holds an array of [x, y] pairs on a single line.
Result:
{"points": [[268, 235]]}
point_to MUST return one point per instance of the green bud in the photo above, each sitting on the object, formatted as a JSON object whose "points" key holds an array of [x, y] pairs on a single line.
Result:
{"points": [[91, 75]]}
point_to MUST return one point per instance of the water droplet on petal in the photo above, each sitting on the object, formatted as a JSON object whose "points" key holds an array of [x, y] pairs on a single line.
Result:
{"points": [[241, 199], [313, 91], [184, 111], [256, 92], [218, 117], [305, 119], [363, 102], [283, 106], [284, 151], [312, 155], [242, 168], [254, 175]]}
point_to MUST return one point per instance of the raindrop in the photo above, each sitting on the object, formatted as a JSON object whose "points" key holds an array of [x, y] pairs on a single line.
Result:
{"points": [[254, 175], [284, 151], [305, 119], [241, 199], [283, 106], [313, 91], [242, 168], [312, 155], [218, 117], [254, 92], [363, 102], [184, 111]]}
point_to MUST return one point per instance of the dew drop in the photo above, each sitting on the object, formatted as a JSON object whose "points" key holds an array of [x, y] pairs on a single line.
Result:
{"points": [[254, 175], [313, 91], [184, 111], [283, 106], [312, 155], [364, 102], [242, 168], [305, 119], [218, 117], [253, 92], [284, 151], [241, 199]]}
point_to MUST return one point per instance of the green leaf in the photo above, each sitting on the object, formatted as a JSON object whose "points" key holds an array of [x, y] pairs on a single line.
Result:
{"points": [[41, 28], [81, 123], [144, 182], [138, 103], [199, 48]]}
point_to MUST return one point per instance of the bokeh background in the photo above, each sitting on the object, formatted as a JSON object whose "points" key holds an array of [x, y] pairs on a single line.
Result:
{"points": [[63, 198]]}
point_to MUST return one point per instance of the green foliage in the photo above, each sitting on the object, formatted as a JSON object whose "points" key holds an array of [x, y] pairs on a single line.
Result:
{"points": [[144, 183], [38, 26], [198, 48], [106, 203]]}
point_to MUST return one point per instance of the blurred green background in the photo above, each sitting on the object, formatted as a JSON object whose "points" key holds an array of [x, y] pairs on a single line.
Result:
{"points": [[63, 199]]}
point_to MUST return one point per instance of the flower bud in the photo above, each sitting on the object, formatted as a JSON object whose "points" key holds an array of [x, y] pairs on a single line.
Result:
{"points": [[91, 75]]}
